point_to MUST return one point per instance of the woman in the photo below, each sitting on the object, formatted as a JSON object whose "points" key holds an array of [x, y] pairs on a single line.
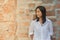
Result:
{"points": [[41, 28]]}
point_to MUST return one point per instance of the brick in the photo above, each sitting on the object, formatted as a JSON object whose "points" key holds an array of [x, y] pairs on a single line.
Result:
{"points": [[21, 11], [47, 1], [9, 6], [27, 11], [12, 28], [26, 17], [58, 6], [25, 24], [1, 17], [58, 38], [58, 17], [58, 11], [58, 0], [59, 32], [6, 12], [9, 17], [53, 19], [2, 37], [23, 30], [23, 35], [37, 0], [58, 23], [7, 30], [31, 5], [49, 8], [50, 13], [23, 18], [54, 29]]}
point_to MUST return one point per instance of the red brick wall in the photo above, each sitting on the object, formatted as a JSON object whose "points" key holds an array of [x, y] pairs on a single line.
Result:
{"points": [[7, 19]]}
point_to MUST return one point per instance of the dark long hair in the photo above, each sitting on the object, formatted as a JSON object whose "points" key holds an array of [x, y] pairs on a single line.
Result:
{"points": [[43, 11]]}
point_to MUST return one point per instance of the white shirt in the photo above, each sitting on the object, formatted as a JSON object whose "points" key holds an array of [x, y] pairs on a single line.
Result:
{"points": [[41, 32]]}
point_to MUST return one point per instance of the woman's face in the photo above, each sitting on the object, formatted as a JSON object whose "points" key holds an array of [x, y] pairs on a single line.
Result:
{"points": [[38, 13]]}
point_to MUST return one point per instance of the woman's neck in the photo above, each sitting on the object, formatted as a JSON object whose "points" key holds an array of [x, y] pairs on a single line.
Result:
{"points": [[40, 20]]}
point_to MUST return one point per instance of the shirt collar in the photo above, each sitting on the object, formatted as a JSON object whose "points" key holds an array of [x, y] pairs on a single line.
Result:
{"points": [[44, 23]]}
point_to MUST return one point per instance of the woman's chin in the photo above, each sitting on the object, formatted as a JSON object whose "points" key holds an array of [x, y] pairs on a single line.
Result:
{"points": [[38, 16]]}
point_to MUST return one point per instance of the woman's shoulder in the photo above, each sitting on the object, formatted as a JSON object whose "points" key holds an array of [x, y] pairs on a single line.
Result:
{"points": [[33, 21], [49, 20]]}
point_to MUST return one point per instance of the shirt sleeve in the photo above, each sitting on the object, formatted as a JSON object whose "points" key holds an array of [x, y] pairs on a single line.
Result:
{"points": [[31, 28], [50, 29]]}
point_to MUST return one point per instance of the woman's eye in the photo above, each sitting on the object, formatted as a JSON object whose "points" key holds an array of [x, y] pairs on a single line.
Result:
{"points": [[37, 11]]}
